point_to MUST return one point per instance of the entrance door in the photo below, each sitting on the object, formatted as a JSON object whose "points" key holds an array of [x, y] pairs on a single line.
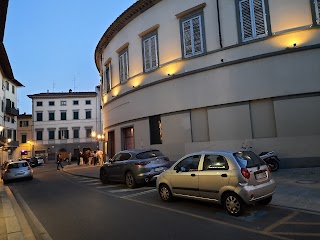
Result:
{"points": [[111, 144]]}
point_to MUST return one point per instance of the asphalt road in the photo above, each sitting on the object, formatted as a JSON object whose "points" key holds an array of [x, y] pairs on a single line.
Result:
{"points": [[71, 207]]}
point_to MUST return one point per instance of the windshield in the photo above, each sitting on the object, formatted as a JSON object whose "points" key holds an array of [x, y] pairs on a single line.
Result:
{"points": [[248, 159]]}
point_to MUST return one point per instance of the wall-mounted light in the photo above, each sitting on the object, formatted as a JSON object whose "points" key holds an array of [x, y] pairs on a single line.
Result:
{"points": [[294, 45], [169, 74], [1, 128]]}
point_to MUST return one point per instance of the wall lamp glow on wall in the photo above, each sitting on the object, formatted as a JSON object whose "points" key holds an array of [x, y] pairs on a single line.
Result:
{"points": [[294, 45], [133, 86], [170, 74]]}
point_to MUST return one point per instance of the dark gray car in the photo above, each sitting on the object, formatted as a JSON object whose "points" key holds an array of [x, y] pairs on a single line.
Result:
{"points": [[134, 167]]}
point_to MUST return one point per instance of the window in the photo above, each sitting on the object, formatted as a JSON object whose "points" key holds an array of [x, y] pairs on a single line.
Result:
{"points": [[88, 132], [12, 120], [39, 116], [51, 103], [188, 164], [88, 114], [88, 102], [64, 134], [24, 123], [253, 19], [51, 134], [63, 115], [316, 7], [150, 52], [24, 138], [51, 116], [192, 35], [155, 130], [63, 103], [39, 104], [123, 66], [7, 85], [75, 133], [214, 162], [13, 89], [39, 134], [106, 84], [128, 139], [75, 115], [75, 102]]}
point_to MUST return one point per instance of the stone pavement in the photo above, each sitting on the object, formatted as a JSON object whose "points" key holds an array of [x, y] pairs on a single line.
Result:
{"points": [[297, 188]]}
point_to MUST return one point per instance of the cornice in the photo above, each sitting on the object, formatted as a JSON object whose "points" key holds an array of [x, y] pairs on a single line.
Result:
{"points": [[62, 95], [124, 19]]}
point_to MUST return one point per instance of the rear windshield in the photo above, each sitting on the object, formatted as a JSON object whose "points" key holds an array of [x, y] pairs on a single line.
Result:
{"points": [[248, 159], [18, 165], [149, 154]]}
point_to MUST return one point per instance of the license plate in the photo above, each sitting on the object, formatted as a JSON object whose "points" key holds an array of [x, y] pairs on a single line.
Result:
{"points": [[261, 175], [19, 174]]}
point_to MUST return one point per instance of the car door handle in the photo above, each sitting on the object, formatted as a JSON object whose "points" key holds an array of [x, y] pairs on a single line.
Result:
{"points": [[224, 175], [193, 175]]}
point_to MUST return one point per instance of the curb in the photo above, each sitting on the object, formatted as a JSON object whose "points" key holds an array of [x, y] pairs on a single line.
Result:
{"points": [[16, 224]]}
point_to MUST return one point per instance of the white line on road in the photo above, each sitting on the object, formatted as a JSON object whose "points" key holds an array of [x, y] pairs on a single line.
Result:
{"points": [[141, 193], [127, 190], [88, 181], [107, 186]]}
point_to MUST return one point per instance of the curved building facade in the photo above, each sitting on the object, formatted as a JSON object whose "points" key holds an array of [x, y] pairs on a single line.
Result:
{"points": [[213, 75]]}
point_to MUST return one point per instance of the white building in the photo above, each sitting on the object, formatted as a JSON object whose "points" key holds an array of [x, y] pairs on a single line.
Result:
{"points": [[8, 96], [213, 75], [63, 122]]}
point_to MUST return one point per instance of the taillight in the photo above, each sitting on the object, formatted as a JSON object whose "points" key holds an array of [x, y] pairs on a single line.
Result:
{"points": [[141, 163], [245, 173]]}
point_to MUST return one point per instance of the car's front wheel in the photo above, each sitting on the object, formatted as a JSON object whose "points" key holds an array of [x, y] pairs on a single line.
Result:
{"points": [[130, 181], [233, 204], [165, 193], [104, 177]]}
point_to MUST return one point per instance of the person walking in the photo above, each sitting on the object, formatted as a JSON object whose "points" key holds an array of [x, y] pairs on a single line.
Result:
{"points": [[59, 160]]}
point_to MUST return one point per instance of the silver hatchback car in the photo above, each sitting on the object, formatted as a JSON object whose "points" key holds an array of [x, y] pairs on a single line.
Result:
{"points": [[231, 179], [136, 166], [16, 169]]}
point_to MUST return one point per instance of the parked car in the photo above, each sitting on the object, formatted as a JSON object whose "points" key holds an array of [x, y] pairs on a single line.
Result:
{"points": [[134, 167], [40, 160], [34, 161], [232, 179], [15, 170]]}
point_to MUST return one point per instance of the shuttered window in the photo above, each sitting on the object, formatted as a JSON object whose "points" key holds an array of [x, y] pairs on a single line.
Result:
{"points": [[317, 9], [155, 130], [150, 53], [192, 35], [123, 66], [106, 84], [253, 19]]}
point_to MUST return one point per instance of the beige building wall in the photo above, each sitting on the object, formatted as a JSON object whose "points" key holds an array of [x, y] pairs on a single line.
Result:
{"points": [[251, 91]]}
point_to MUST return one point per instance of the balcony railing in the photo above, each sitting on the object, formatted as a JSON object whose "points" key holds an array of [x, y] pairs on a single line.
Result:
{"points": [[12, 111]]}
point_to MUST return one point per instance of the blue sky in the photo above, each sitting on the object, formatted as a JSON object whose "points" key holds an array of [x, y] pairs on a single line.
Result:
{"points": [[51, 43]]}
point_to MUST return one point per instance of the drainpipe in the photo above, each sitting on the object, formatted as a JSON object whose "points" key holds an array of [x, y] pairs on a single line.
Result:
{"points": [[219, 24]]}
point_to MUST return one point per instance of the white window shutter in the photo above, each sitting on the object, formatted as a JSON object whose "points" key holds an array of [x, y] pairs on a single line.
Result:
{"points": [[154, 54], [317, 8], [146, 47], [197, 35], [187, 41], [260, 24], [246, 19]]}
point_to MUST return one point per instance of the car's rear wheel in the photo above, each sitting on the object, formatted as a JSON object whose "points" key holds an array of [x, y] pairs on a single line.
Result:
{"points": [[233, 204], [266, 201], [130, 181], [104, 177], [165, 193]]}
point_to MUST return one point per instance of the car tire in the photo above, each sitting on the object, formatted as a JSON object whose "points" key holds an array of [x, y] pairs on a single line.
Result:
{"points": [[130, 181], [233, 204], [273, 165], [265, 201], [165, 193], [104, 177]]}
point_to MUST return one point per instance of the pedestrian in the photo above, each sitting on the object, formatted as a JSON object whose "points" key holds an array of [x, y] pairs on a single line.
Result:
{"points": [[100, 157], [59, 160], [80, 158], [95, 158], [70, 157]]}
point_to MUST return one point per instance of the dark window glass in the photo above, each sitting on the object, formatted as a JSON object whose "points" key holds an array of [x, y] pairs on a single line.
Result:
{"points": [[51, 103], [75, 115], [51, 134], [88, 114], [248, 159], [23, 138], [188, 164], [149, 154], [155, 130], [88, 102], [51, 116], [39, 135], [64, 134], [75, 133], [39, 116], [88, 132], [63, 115], [39, 104], [214, 162], [75, 102]]}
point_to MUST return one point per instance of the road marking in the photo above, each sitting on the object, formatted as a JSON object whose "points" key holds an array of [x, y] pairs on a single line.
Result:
{"points": [[298, 234], [107, 186], [209, 219], [141, 193], [125, 190], [88, 181], [303, 223], [281, 221], [95, 183]]}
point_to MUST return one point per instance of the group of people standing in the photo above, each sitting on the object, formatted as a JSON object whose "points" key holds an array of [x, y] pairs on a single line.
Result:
{"points": [[90, 157]]}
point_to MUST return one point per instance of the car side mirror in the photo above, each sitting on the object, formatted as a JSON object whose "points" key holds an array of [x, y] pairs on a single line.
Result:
{"points": [[111, 160]]}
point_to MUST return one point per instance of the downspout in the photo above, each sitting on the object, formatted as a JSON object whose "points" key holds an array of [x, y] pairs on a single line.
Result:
{"points": [[219, 24]]}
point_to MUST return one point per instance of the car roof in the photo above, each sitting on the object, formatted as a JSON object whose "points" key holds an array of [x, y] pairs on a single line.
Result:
{"points": [[137, 151], [17, 161], [211, 152]]}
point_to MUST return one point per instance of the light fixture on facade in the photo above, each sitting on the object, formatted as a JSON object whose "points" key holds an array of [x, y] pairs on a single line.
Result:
{"points": [[1, 128]]}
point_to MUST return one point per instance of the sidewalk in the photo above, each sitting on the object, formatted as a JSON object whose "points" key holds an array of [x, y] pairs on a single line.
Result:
{"points": [[297, 188]]}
